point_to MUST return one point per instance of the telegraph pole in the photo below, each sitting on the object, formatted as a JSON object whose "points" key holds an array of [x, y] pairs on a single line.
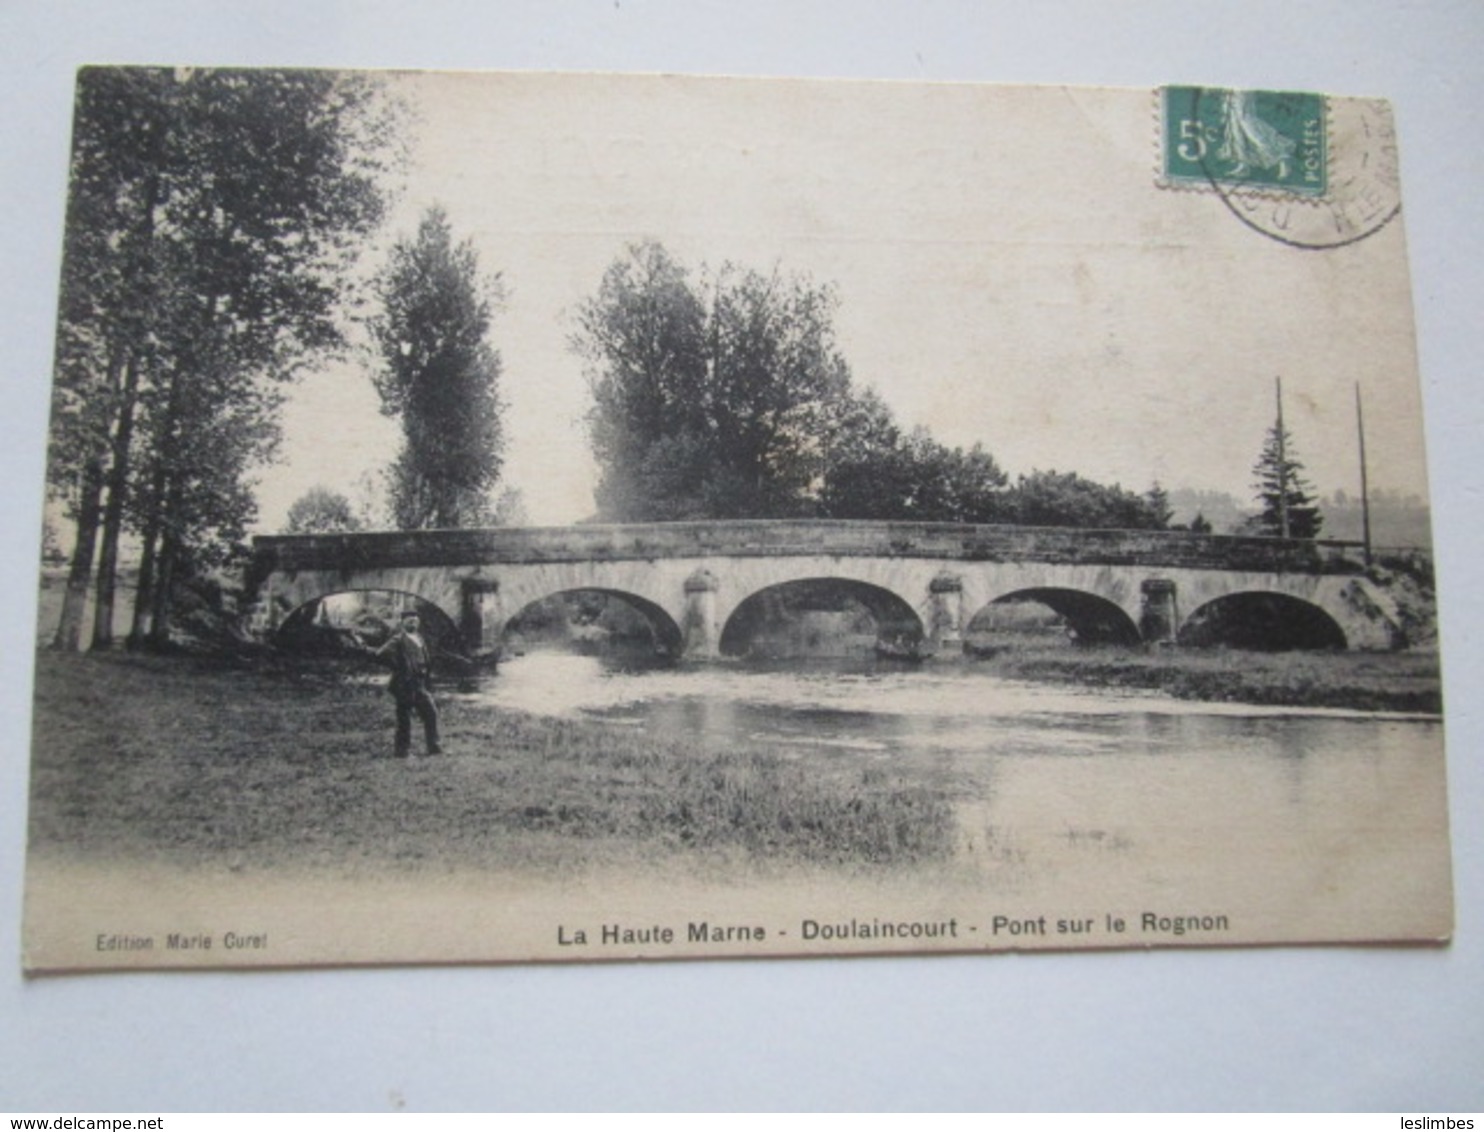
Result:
{"points": [[1365, 495]]}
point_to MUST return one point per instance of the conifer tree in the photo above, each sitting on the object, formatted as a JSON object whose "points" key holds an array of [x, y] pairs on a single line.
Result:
{"points": [[1289, 506]]}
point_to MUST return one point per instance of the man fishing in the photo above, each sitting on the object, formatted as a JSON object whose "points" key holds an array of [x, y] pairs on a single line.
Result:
{"points": [[411, 684]]}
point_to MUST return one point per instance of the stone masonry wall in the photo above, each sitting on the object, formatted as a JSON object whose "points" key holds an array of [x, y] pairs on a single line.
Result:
{"points": [[768, 538]]}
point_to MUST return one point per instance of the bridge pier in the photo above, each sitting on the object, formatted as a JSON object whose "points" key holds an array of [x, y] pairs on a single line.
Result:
{"points": [[479, 622], [946, 629], [701, 633], [1159, 619]]}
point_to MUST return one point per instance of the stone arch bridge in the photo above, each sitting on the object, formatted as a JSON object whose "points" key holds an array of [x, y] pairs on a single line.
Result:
{"points": [[690, 579]]}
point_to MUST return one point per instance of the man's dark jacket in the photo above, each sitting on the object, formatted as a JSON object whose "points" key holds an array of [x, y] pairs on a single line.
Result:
{"points": [[411, 666]]}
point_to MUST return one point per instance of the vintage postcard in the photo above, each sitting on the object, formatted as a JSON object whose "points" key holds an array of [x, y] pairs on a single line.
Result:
{"points": [[519, 517]]}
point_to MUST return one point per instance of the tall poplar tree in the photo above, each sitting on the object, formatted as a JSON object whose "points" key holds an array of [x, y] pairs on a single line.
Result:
{"points": [[440, 376]]}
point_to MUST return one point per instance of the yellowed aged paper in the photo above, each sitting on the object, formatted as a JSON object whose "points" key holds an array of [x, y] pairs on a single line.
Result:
{"points": [[1034, 672]]}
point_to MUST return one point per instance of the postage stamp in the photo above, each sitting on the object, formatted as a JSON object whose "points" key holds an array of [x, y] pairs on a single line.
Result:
{"points": [[1308, 171], [1245, 139]]}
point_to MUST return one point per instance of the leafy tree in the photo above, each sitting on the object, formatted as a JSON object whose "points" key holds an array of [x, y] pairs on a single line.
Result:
{"points": [[1065, 499], [876, 471], [510, 509], [955, 485], [644, 338], [440, 375], [727, 398], [1289, 507], [211, 218], [711, 398], [320, 510], [368, 501], [868, 465]]}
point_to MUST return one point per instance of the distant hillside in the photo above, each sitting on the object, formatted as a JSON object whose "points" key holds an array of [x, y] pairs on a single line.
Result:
{"points": [[1396, 520], [1221, 510]]}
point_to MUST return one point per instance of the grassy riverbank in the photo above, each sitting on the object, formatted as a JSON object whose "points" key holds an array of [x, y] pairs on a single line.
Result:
{"points": [[261, 765], [1404, 682], [199, 761]]}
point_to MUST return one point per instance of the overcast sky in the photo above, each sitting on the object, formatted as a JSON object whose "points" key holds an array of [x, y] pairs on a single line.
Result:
{"points": [[1009, 272]]}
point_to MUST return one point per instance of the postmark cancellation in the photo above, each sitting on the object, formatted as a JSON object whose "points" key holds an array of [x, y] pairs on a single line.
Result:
{"points": [[1304, 169]]}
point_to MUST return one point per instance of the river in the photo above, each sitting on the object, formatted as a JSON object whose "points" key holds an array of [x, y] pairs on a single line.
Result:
{"points": [[890, 711], [1068, 790]]}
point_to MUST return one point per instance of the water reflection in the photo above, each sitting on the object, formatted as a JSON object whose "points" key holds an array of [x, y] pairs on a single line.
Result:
{"points": [[874, 706], [1048, 781]]}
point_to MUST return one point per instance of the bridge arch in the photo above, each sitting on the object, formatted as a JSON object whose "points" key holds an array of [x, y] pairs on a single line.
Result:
{"points": [[820, 614], [316, 623], [1090, 618], [666, 633], [1262, 620], [292, 589]]}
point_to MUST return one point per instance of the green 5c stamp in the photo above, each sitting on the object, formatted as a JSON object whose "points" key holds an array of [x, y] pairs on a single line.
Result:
{"points": [[1263, 140]]}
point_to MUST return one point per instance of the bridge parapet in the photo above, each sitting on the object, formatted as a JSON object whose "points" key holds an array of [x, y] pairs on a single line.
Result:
{"points": [[766, 538]]}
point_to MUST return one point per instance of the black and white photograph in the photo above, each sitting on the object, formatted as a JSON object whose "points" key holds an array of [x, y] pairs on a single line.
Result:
{"points": [[501, 517]]}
